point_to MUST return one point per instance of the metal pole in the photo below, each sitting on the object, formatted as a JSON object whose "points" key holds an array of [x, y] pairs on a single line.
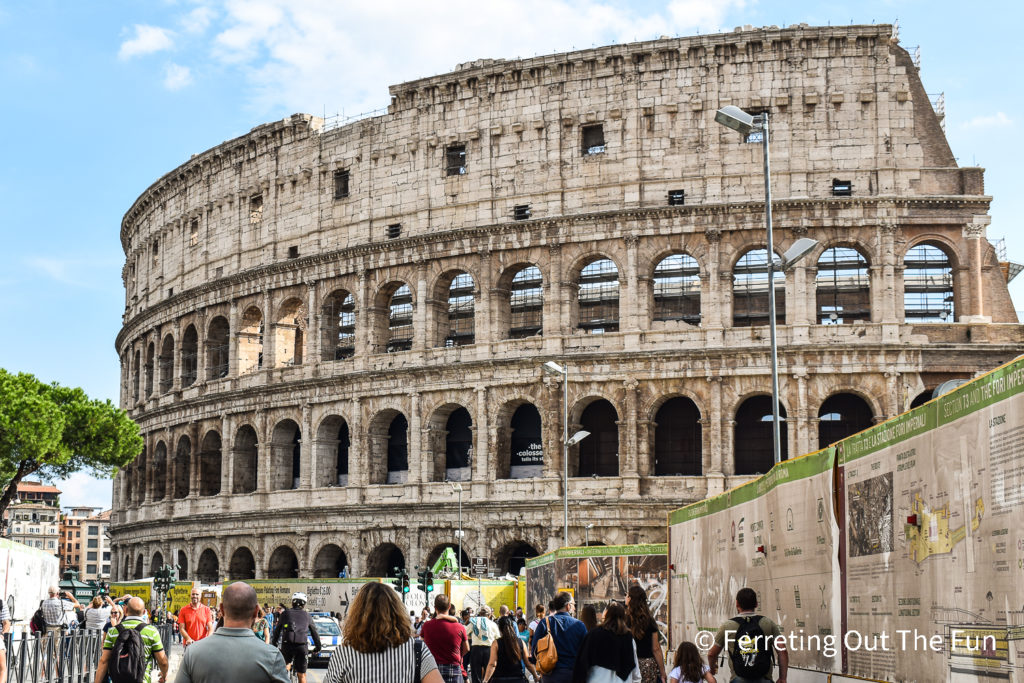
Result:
{"points": [[459, 563], [565, 455], [776, 439]]}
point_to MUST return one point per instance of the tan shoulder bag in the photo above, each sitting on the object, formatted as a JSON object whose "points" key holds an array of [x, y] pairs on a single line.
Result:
{"points": [[547, 655]]}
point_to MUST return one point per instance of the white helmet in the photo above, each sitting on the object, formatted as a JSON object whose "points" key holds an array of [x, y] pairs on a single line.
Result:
{"points": [[299, 597]]}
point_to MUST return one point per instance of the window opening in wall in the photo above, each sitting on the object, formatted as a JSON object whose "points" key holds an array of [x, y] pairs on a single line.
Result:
{"points": [[677, 289], [460, 311], [189, 356], [150, 352], [455, 160], [166, 363], [255, 209], [843, 287], [754, 443], [928, 285], [170, 292], [341, 184], [340, 328], [842, 188], [599, 297], [750, 291], [599, 452], [394, 231], [156, 253], [193, 232], [400, 320], [398, 450], [219, 271], [593, 139], [676, 197], [526, 303], [677, 439], [521, 212], [218, 348], [293, 252], [458, 445], [341, 461], [840, 416]]}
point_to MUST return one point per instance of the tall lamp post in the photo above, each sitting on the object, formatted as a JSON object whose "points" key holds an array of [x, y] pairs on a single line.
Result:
{"points": [[553, 368], [586, 531], [745, 124], [458, 489]]}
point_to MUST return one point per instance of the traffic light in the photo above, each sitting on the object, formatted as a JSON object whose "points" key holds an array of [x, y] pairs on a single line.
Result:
{"points": [[406, 584], [422, 581], [396, 582], [428, 582]]}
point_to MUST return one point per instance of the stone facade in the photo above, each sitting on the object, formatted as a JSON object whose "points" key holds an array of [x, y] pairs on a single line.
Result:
{"points": [[324, 325]]}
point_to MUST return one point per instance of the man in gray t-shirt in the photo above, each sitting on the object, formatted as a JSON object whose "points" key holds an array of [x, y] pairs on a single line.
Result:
{"points": [[233, 652], [726, 639]]}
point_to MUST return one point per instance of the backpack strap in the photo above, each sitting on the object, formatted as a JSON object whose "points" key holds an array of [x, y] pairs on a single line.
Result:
{"points": [[417, 648]]}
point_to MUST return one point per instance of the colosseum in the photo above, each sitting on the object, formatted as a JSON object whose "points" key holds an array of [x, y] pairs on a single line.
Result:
{"points": [[333, 328]]}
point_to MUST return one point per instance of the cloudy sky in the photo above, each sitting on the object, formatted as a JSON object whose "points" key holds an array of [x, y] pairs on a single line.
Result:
{"points": [[99, 99]]}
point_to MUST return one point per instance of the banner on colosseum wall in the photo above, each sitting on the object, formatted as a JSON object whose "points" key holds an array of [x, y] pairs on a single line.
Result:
{"points": [[494, 594], [323, 595]]}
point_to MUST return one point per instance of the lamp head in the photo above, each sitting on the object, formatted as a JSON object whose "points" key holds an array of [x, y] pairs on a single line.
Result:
{"points": [[735, 118], [577, 437], [553, 368], [800, 248]]}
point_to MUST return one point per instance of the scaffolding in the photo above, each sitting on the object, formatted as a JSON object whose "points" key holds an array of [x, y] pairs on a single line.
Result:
{"points": [[677, 289], [599, 297], [526, 302]]}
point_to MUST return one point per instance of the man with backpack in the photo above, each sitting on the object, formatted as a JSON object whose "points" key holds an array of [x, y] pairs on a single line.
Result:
{"points": [[752, 642], [291, 631], [130, 648]]}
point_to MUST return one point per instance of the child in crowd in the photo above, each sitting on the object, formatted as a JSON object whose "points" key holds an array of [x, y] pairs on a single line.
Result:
{"points": [[689, 666]]}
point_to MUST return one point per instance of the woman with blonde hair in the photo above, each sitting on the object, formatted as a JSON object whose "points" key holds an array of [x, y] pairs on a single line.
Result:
{"points": [[379, 644]]}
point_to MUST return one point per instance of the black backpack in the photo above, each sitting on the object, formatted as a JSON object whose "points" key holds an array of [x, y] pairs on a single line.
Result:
{"points": [[754, 658], [128, 656]]}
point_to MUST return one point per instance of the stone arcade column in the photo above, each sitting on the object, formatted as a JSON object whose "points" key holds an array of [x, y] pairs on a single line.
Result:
{"points": [[194, 460], [483, 301], [415, 444], [484, 463], [891, 405], [420, 333], [714, 423], [227, 454], [170, 469], [711, 315], [176, 357], [263, 452], [269, 332], [630, 292], [554, 313], [365, 313], [311, 353], [628, 466], [358, 451], [233, 329], [307, 446], [973, 233], [890, 296], [551, 427], [804, 439]]}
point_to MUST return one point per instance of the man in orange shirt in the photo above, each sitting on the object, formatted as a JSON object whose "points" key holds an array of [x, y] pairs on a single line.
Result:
{"points": [[195, 620]]}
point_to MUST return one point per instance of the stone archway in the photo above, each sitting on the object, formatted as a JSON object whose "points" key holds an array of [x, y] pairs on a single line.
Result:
{"points": [[383, 559], [242, 565], [330, 562], [208, 567], [283, 564]]}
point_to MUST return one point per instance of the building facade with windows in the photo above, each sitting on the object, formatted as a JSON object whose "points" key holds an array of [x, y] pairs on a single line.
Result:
{"points": [[34, 517], [328, 325], [85, 543]]}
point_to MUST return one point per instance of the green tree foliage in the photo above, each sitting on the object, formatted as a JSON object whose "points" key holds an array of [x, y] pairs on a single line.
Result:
{"points": [[52, 431]]}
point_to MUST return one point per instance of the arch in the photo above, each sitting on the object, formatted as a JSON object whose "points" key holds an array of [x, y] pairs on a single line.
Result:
{"points": [[598, 454], [523, 307], [166, 363], [454, 309], [512, 556], [137, 372], [159, 471], [182, 467], [208, 567], [677, 438], [395, 326], [434, 554], [398, 450], [218, 348], [753, 443], [458, 445], [250, 341], [136, 475], [525, 443], [339, 325], [383, 559], [242, 565], [245, 456], [290, 333], [921, 398], [150, 361], [928, 285], [330, 562], [333, 442], [182, 563], [676, 289], [750, 290], [285, 456], [840, 416], [156, 563], [843, 287], [189, 356], [598, 297], [139, 571], [210, 459], [283, 563]]}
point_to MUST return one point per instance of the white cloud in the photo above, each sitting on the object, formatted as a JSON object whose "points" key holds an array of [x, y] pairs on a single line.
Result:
{"points": [[177, 77], [997, 120], [147, 40], [198, 20]]}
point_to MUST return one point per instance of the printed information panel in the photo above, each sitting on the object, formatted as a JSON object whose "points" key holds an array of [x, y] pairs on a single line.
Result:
{"points": [[934, 539], [775, 535]]}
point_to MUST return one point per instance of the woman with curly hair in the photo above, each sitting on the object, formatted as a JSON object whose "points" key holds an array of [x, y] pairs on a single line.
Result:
{"points": [[379, 644], [645, 632]]}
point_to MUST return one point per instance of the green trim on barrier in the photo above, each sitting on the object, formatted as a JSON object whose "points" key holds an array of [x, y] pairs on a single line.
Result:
{"points": [[597, 551]]}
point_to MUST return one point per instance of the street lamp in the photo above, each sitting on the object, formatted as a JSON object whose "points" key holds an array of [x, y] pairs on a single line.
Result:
{"points": [[553, 368], [586, 534], [744, 124], [458, 489]]}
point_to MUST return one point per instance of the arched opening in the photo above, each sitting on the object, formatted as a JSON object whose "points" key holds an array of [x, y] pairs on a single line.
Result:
{"points": [[398, 450], [208, 567], [137, 370], [928, 295], [599, 297], [218, 347], [843, 287], [150, 353], [189, 356], [400, 312], [139, 571], [435, 554], [330, 562], [157, 563], [250, 341], [167, 364], [182, 467], [599, 452], [210, 464], [677, 289], [160, 471], [526, 303], [245, 457], [458, 320], [242, 566], [840, 416], [383, 560], [283, 564], [921, 398], [458, 446], [677, 438], [289, 333], [526, 445], [753, 442], [511, 558], [332, 442], [136, 476], [750, 291], [285, 456], [339, 326], [182, 566]]}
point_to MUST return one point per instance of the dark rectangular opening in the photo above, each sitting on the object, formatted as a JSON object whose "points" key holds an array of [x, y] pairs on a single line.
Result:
{"points": [[593, 139], [842, 188], [455, 160], [394, 231], [676, 197], [341, 184], [293, 252], [522, 212]]}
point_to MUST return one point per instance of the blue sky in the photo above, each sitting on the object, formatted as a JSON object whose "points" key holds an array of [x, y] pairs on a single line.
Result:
{"points": [[102, 98]]}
